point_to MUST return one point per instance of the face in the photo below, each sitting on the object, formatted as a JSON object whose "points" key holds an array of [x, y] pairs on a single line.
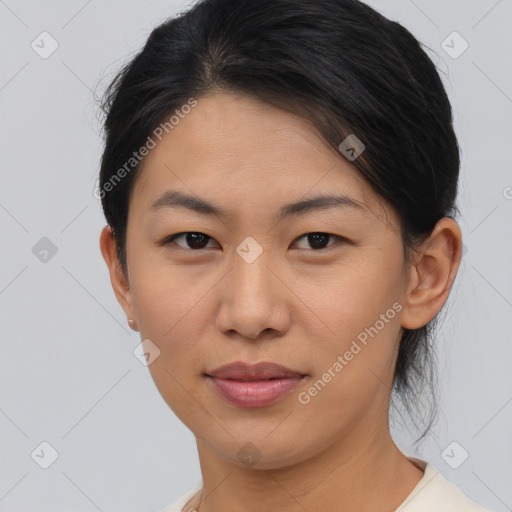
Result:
{"points": [[318, 290]]}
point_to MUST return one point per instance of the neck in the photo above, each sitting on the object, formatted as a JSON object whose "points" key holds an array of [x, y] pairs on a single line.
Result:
{"points": [[342, 478]]}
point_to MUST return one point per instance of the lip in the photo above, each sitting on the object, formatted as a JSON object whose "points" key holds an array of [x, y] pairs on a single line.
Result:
{"points": [[254, 385]]}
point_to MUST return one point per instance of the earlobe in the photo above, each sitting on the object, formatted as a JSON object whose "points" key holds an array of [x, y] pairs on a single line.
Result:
{"points": [[118, 280], [432, 274]]}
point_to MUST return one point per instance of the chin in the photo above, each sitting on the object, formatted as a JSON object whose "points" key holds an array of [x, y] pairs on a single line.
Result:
{"points": [[257, 449]]}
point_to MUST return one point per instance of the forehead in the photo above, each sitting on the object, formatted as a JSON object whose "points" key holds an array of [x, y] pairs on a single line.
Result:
{"points": [[242, 151]]}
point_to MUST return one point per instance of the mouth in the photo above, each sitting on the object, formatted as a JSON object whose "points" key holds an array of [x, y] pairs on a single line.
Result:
{"points": [[259, 385]]}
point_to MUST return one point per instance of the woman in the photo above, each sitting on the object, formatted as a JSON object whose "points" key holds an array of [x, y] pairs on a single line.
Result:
{"points": [[279, 180]]}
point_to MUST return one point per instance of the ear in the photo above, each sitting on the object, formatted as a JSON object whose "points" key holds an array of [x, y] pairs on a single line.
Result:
{"points": [[119, 281], [432, 275]]}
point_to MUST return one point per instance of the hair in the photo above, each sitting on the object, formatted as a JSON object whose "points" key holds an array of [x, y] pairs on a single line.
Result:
{"points": [[340, 65]]}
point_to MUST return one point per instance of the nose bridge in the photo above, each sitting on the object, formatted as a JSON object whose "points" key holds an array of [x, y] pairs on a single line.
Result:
{"points": [[252, 280], [249, 301]]}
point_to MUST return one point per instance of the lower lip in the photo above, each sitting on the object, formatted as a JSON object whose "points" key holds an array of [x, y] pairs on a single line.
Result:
{"points": [[255, 393]]}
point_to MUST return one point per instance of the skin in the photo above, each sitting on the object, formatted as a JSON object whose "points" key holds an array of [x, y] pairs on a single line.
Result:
{"points": [[295, 304]]}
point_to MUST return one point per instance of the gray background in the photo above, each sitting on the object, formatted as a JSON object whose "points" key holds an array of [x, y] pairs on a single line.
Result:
{"points": [[68, 375]]}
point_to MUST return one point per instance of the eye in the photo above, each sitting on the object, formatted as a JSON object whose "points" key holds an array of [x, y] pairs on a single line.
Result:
{"points": [[197, 241], [194, 239], [317, 240]]}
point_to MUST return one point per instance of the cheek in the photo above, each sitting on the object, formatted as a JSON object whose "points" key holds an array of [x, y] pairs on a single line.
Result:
{"points": [[169, 316], [165, 295], [354, 359], [172, 316], [355, 353], [356, 295]]}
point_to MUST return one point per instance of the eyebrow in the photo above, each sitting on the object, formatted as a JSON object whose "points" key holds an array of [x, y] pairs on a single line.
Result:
{"points": [[175, 199]]}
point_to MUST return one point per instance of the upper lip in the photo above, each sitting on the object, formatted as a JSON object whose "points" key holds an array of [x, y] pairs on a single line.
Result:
{"points": [[245, 371]]}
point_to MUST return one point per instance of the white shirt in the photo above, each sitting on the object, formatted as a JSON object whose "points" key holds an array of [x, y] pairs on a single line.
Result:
{"points": [[433, 493]]}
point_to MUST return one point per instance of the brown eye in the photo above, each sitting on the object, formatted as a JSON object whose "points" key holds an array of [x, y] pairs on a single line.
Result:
{"points": [[194, 240], [318, 241]]}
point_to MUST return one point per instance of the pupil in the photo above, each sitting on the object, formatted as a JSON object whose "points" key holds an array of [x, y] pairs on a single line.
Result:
{"points": [[315, 239], [192, 240], [198, 240]]}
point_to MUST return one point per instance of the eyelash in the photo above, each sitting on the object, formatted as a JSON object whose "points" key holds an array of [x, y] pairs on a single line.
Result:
{"points": [[170, 239]]}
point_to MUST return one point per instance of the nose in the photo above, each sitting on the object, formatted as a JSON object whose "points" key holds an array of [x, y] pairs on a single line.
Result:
{"points": [[254, 300]]}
